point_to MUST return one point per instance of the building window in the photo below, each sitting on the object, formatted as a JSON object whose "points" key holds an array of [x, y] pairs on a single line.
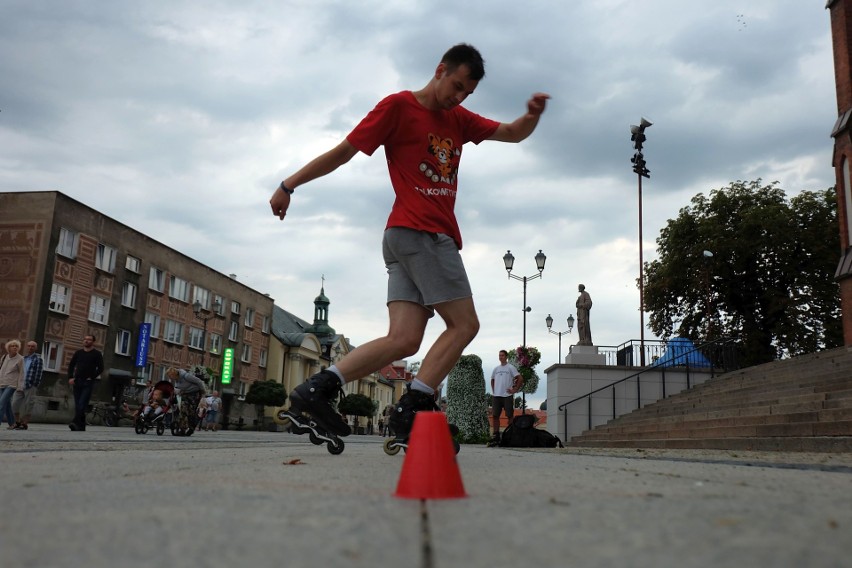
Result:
{"points": [[215, 343], [201, 295], [67, 245], [249, 317], [105, 258], [157, 279], [178, 289], [144, 375], [154, 320], [60, 298], [128, 295], [235, 307], [265, 327], [196, 338], [99, 309], [173, 332], [263, 356], [122, 342], [218, 305], [246, 356], [133, 264], [243, 389], [234, 331], [52, 355]]}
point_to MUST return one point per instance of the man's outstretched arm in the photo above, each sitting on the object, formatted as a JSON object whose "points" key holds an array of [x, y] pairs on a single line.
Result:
{"points": [[318, 167], [524, 125]]}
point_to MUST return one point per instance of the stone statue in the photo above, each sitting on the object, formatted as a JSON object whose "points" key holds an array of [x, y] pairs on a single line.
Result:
{"points": [[584, 306]]}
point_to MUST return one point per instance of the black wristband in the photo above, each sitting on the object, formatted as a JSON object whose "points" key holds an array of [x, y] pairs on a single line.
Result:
{"points": [[285, 189]]}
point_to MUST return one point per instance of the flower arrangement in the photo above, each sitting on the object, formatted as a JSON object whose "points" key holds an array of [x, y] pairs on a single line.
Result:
{"points": [[525, 359], [527, 356]]}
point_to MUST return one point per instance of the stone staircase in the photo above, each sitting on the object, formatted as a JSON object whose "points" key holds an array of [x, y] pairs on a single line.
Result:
{"points": [[801, 404]]}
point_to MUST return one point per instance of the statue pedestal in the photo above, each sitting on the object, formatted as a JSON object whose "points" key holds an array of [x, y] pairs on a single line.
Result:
{"points": [[584, 355]]}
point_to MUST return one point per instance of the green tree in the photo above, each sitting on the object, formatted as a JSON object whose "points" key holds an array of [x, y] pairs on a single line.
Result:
{"points": [[466, 401], [265, 393], [356, 405], [766, 278]]}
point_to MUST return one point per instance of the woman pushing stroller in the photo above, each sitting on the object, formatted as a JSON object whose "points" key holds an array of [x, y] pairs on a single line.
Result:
{"points": [[191, 389]]}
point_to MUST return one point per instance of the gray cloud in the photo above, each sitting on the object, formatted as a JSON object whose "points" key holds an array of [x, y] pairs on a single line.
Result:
{"points": [[179, 119]]}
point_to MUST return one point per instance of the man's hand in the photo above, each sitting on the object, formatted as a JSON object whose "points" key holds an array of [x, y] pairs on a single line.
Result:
{"points": [[280, 201], [536, 104]]}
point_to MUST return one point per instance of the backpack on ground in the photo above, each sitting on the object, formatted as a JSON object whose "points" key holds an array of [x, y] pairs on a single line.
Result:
{"points": [[522, 433]]}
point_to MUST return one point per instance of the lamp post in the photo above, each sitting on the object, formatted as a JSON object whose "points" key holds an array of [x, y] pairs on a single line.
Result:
{"points": [[201, 314], [708, 258], [549, 321], [509, 263], [637, 136]]}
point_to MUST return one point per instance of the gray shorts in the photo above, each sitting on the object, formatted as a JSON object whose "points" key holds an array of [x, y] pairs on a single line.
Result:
{"points": [[424, 268]]}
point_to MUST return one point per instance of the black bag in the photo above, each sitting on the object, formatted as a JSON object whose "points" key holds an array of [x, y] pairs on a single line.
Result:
{"points": [[522, 433]]}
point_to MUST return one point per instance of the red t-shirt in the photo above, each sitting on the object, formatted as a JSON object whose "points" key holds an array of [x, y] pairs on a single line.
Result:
{"points": [[423, 149]]}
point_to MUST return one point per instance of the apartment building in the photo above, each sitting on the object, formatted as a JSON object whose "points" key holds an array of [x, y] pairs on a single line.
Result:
{"points": [[67, 270]]}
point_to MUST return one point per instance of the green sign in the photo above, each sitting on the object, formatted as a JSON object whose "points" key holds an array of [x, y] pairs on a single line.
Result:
{"points": [[227, 366]]}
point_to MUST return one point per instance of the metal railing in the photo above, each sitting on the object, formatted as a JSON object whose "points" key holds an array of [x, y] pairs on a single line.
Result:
{"points": [[721, 354]]}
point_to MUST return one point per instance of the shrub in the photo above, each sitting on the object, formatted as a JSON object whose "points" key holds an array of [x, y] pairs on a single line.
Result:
{"points": [[467, 407]]}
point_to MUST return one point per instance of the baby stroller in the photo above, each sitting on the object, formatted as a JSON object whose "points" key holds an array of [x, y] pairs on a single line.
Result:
{"points": [[158, 418]]}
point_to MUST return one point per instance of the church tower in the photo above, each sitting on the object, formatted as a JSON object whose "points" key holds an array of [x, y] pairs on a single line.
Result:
{"points": [[320, 327]]}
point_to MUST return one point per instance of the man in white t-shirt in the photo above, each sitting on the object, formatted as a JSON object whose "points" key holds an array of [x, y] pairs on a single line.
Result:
{"points": [[505, 382]]}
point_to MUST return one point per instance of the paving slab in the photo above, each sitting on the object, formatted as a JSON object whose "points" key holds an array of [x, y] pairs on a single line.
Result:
{"points": [[109, 497]]}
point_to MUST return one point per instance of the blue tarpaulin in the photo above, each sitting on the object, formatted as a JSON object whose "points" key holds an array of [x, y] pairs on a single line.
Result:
{"points": [[680, 351]]}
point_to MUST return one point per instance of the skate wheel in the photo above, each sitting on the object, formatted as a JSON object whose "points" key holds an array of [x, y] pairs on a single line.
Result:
{"points": [[335, 447], [390, 447], [281, 418], [313, 438]]}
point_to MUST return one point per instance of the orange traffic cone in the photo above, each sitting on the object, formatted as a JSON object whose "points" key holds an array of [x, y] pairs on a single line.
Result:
{"points": [[430, 470]]}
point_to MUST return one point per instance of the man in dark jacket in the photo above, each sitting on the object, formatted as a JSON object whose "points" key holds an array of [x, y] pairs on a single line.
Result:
{"points": [[85, 368]]}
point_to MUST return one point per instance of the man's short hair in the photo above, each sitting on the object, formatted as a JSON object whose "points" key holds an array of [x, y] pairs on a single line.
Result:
{"points": [[504, 352], [465, 54]]}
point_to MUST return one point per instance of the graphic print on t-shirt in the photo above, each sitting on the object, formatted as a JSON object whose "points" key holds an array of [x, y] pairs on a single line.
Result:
{"points": [[447, 156]]}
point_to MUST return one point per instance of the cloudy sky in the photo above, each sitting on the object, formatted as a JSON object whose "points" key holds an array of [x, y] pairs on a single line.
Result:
{"points": [[179, 119]]}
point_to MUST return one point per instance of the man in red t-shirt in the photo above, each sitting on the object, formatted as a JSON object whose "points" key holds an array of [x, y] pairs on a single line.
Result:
{"points": [[422, 133]]}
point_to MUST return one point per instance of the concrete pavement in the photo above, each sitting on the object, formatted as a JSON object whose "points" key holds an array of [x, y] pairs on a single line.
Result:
{"points": [[109, 497]]}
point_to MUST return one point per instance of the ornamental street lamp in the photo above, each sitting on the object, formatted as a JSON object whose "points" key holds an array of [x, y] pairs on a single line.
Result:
{"points": [[202, 314], [549, 321], [637, 136], [509, 263]]}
